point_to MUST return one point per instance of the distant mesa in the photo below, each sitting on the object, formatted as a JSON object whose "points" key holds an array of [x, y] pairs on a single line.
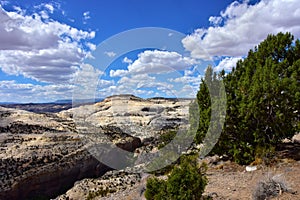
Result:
{"points": [[65, 104]]}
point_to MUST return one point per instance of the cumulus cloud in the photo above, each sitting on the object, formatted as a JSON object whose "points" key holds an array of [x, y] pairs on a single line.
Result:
{"points": [[87, 76], [127, 60], [137, 84], [159, 62], [156, 62], [43, 51], [152, 71], [110, 53], [215, 20], [188, 80], [49, 7], [118, 73], [11, 90], [87, 80], [244, 27], [227, 63]]}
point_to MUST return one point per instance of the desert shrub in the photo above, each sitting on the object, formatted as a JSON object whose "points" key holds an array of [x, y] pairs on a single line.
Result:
{"points": [[99, 193], [186, 181], [272, 186], [165, 138], [155, 188]]}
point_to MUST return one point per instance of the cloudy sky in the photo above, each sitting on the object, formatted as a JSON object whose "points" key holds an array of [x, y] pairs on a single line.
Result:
{"points": [[64, 49]]}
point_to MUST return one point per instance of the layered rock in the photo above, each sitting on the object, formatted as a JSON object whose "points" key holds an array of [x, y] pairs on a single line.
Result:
{"points": [[42, 155], [111, 182], [143, 118]]}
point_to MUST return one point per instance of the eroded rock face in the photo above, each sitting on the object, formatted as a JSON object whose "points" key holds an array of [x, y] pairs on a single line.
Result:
{"points": [[43, 155], [111, 182], [143, 118]]}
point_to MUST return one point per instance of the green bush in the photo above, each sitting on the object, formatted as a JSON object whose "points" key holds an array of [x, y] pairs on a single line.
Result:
{"points": [[186, 181]]}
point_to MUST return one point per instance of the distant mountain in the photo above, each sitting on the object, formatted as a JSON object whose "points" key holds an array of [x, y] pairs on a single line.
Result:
{"points": [[5, 103], [65, 104], [39, 107], [62, 101], [85, 100], [51, 107]]}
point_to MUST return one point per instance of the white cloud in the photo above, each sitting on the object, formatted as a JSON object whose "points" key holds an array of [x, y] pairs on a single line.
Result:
{"points": [[138, 84], [127, 60], [227, 63], [110, 53], [159, 62], [13, 91], [244, 27], [215, 20], [86, 15], [136, 79], [87, 76], [118, 73], [155, 62], [19, 10], [91, 46], [44, 14], [188, 80], [152, 71], [43, 51], [187, 91], [86, 81], [49, 7]]}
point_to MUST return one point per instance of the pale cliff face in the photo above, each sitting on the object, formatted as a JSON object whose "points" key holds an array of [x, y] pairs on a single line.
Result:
{"points": [[45, 150], [138, 117]]}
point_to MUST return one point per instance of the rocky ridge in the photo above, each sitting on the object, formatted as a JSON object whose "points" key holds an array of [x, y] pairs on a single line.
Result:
{"points": [[143, 118]]}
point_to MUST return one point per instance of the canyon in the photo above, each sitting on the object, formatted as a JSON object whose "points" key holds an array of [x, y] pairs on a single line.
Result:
{"points": [[44, 154]]}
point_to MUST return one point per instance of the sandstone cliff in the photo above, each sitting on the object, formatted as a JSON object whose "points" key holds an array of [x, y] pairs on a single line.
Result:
{"points": [[43, 155]]}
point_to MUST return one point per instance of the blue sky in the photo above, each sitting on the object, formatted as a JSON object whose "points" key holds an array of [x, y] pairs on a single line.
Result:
{"points": [[53, 50]]}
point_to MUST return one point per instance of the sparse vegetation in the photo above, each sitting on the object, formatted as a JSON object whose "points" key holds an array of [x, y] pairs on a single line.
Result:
{"points": [[272, 186], [99, 193], [165, 138]]}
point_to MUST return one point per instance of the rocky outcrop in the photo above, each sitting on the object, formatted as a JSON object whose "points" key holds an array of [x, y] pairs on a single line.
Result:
{"points": [[143, 118], [24, 122], [111, 182], [42, 155]]}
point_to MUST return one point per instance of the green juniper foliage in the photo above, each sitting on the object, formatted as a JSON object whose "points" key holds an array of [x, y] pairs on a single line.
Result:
{"points": [[185, 182], [263, 94]]}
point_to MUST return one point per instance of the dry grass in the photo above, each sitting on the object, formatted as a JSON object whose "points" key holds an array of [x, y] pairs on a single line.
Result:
{"points": [[271, 186]]}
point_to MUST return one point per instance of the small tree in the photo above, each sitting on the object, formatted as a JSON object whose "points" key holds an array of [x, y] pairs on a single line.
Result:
{"points": [[263, 93]]}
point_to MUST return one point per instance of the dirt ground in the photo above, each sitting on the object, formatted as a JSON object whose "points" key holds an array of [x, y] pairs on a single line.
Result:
{"points": [[234, 182], [230, 181]]}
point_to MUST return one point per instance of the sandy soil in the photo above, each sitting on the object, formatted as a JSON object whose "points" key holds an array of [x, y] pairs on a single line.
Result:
{"points": [[234, 182], [230, 181]]}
